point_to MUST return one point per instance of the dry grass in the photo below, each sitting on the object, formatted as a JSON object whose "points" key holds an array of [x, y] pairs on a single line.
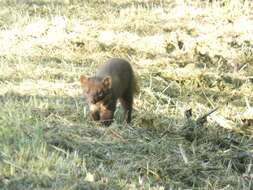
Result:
{"points": [[187, 54]]}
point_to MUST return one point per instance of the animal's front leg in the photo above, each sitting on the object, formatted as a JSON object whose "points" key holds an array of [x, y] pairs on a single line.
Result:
{"points": [[106, 117], [106, 114]]}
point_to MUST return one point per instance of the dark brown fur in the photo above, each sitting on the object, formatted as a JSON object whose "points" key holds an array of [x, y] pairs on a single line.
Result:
{"points": [[113, 80]]}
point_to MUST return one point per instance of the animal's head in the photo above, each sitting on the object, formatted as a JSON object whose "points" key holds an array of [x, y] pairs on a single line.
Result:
{"points": [[95, 89]]}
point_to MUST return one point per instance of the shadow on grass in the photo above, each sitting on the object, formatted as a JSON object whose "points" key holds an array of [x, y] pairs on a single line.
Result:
{"points": [[133, 152], [45, 182]]}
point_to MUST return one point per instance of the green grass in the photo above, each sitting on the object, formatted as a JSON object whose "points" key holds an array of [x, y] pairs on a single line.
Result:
{"points": [[186, 54]]}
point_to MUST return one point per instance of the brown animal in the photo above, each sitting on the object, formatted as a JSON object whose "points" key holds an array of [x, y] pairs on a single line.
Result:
{"points": [[113, 80]]}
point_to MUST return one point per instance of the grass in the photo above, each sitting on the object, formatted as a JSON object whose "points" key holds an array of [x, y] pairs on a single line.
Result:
{"points": [[187, 54]]}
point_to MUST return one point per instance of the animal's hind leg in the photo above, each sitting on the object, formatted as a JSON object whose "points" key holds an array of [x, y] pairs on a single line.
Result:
{"points": [[127, 103]]}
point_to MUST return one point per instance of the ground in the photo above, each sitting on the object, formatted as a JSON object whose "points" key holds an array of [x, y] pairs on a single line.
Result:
{"points": [[190, 57]]}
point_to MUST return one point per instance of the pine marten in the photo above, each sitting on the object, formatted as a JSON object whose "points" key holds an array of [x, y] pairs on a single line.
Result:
{"points": [[113, 80]]}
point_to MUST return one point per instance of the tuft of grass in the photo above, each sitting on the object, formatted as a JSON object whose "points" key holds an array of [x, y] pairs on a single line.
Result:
{"points": [[188, 55]]}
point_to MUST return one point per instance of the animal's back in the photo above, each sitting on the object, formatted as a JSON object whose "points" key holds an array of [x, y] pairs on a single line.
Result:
{"points": [[121, 73]]}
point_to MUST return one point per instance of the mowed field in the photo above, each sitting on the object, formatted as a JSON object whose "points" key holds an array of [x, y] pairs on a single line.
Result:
{"points": [[190, 57]]}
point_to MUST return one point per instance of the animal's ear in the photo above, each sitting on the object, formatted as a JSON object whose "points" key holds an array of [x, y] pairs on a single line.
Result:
{"points": [[83, 80], [107, 82]]}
